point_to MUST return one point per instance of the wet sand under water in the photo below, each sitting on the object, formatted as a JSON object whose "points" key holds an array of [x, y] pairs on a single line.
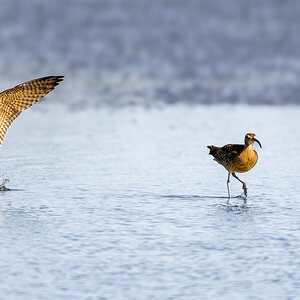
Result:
{"points": [[115, 203]]}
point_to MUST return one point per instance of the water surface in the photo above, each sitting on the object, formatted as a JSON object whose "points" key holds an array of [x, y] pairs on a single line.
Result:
{"points": [[127, 204]]}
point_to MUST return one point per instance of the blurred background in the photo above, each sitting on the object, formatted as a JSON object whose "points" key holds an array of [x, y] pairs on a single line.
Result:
{"points": [[152, 52], [113, 193]]}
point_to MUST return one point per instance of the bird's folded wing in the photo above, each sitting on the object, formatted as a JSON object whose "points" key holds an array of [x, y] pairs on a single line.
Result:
{"points": [[22, 96], [233, 150]]}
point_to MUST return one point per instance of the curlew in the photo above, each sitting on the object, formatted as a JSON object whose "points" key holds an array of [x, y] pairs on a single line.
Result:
{"points": [[13, 101], [236, 158]]}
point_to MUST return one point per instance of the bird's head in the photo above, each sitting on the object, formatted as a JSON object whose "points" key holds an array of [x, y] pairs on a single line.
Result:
{"points": [[250, 139]]}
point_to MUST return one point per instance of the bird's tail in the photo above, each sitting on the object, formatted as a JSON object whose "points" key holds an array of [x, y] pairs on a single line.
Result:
{"points": [[212, 149]]}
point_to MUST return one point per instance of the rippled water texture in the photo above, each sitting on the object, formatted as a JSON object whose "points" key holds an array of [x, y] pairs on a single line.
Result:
{"points": [[127, 204], [113, 193]]}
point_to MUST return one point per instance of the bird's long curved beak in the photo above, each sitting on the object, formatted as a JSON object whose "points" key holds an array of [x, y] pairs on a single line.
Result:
{"points": [[254, 139]]}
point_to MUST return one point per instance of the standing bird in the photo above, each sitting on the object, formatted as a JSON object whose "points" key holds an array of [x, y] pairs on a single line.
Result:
{"points": [[236, 158], [22, 96]]}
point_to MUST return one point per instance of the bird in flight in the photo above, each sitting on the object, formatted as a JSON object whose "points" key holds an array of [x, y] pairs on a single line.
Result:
{"points": [[13, 101], [236, 158]]}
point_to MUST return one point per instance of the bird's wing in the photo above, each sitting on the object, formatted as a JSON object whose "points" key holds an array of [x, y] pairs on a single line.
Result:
{"points": [[233, 150], [22, 96]]}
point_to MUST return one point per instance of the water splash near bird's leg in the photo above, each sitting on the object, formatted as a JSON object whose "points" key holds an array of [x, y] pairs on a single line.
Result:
{"points": [[3, 182]]}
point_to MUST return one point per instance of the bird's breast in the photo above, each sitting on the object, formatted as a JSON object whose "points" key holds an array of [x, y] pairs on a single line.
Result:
{"points": [[244, 162]]}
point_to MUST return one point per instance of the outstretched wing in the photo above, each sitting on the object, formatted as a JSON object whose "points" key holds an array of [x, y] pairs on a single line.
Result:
{"points": [[22, 96]]}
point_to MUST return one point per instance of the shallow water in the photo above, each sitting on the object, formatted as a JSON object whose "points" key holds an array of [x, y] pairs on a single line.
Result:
{"points": [[127, 204], [113, 195]]}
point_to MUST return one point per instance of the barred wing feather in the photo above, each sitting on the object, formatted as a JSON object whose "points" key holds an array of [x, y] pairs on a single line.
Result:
{"points": [[13, 101]]}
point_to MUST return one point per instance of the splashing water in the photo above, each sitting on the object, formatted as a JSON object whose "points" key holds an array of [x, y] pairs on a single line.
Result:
{"points": [[3, 182]]}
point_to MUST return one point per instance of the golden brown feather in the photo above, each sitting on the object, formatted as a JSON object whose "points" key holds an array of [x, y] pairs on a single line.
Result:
{"points": [[236, 158], [13, 101]]}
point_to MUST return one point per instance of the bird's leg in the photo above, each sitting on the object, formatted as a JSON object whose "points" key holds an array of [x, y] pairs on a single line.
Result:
{"points": [[244, 183], [228, 187]]}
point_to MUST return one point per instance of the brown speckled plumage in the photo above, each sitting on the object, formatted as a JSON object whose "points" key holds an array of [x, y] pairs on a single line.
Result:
{"points": [[237, 158], [13, 101]]}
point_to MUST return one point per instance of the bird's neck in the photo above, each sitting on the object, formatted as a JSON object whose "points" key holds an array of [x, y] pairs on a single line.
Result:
{"points": [[249, 146]]}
